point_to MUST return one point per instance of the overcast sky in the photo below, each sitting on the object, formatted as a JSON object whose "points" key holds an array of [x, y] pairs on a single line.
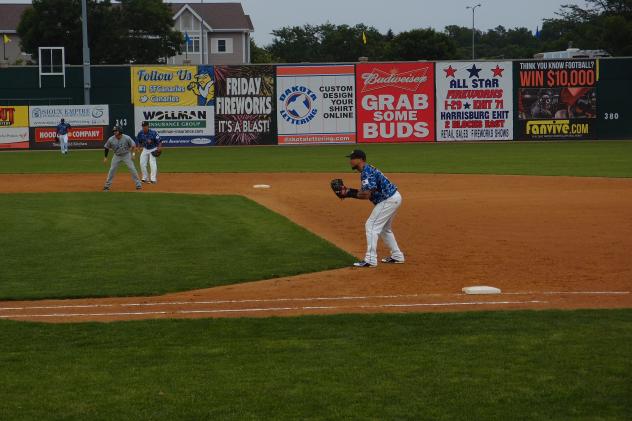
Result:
{"points": [[399, 15]]}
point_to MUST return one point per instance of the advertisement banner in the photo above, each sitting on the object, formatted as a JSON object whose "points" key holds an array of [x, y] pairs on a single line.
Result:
{"points": [[75, 134], [172, 85], [75, 115], [244, 107], [179, 126], [557, 99], [474, 101], [316, 104], [395, 102], [14, 137], [14, 127]]}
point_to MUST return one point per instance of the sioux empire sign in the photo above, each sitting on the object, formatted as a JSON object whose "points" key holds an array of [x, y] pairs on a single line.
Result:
{"points": [[75, 115], [395, 102], [316, 104], [474, 101]]}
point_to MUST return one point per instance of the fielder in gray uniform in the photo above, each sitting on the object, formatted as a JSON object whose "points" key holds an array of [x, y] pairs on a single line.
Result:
{"points": [[122, 145]]}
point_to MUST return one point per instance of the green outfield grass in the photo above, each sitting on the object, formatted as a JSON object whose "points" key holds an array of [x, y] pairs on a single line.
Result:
{"points": [[604, 159], [493, 366], [63, 245]]}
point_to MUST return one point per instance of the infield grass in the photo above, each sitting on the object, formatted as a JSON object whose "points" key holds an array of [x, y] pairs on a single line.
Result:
{"points": [[492, 366], [602, 159], [68, 245]]}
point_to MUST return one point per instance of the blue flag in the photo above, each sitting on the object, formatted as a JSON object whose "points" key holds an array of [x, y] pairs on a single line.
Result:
{"points": [[538, 33], [187, 39]]}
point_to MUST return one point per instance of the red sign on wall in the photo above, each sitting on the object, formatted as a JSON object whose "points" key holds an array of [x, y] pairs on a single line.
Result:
{"points": [[395, 102], [79, 134]]}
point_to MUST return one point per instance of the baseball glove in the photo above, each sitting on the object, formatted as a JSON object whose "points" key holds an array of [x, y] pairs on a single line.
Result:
{"points": [[338, 186], [157, 153]]}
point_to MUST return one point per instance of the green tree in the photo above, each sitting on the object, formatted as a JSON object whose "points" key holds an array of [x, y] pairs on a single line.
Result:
{"points": [[296, 44], [134, 31], [259, 55], [422, 44], [149, 35]]}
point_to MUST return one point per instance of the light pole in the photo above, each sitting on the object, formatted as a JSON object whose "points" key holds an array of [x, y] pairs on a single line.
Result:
{"points": [[86, 53], [473, 28]]}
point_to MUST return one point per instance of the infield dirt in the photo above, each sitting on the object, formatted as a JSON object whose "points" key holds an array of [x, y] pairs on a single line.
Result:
{"points": [[547, 242]]}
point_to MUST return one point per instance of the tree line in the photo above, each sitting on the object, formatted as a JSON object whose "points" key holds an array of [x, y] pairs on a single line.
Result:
{"points": [[141, 31]]}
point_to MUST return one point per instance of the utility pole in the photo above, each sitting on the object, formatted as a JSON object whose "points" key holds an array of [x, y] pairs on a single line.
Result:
{"points": [[86, 53], [473, 29]]}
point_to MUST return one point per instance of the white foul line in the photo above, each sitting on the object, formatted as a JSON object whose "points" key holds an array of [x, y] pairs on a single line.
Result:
{"points": [[250, 310], [274, 300]]}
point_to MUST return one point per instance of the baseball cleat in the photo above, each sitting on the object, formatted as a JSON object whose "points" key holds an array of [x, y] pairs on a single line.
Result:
{"points": [[106, 189], [363, 264], [139, 187], [144, 181], [153, 182], [393, 261]]}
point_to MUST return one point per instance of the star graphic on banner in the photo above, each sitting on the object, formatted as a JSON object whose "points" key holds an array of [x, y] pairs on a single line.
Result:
{"points": [[498, 72], [450, 72], [474, 71], [467, 105]]}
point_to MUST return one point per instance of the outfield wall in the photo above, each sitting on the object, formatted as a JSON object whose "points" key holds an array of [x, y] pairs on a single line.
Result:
{"points": [[325, 103]]}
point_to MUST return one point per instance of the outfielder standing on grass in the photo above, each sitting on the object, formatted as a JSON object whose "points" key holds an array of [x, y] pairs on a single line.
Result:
{"points": [[152, 148], [384, 195], [62, 136], [122, 145]]}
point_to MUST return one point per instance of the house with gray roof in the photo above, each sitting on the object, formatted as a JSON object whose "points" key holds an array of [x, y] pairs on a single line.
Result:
{"points": [[219, 33]]}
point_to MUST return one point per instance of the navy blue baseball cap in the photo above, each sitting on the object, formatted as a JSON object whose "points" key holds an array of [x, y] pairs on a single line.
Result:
{"points": [[357, 154]]}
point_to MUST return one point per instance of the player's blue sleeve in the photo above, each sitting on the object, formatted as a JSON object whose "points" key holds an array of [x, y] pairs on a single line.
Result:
{"points": [[157, 138], [368, 182]]}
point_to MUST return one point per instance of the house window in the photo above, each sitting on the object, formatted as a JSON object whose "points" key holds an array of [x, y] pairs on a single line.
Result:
{"points": [[222, 46], [193, 46]]}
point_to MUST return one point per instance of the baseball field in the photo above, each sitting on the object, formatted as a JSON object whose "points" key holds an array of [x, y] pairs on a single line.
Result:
{"points": [[202, 297]]}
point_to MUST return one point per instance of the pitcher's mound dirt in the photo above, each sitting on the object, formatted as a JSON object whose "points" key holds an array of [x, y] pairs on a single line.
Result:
{"points": [[547, 242]]}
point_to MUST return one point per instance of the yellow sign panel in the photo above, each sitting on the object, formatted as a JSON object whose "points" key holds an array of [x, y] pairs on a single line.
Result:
{"points": [[164, 85], [14, 116]]}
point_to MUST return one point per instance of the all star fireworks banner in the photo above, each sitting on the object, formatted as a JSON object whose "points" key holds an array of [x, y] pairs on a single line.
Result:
{"points": [[316, 104], [395, 102], [244, 106], [557, 99], [474, 101]]}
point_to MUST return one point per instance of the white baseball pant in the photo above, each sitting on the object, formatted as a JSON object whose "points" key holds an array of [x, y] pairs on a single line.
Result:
{"points": [[379, 225], [63, 142], [146, 156]]}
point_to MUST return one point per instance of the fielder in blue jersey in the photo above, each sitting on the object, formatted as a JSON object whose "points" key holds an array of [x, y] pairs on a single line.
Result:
{"points": [[387, 200], [62, 136], [151, 143]]}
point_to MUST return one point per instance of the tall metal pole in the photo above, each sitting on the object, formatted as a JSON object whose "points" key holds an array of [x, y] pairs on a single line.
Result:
{"points": [[473, 29], [86, 53]]}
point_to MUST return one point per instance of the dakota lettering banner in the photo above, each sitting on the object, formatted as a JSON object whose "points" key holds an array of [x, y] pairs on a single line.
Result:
{"points": [[316, 104], [474, 101], [395, 102], [244, 109], [172, 85], [557, 99], [14, 127]]}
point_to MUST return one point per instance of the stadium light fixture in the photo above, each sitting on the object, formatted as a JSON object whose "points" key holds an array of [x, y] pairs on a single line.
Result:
{"points": [[473, 28]]}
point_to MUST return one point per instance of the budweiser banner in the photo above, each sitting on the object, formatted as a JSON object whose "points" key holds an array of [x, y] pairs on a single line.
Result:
{"points": [[244, 107], [316, 104], [474, 101], [395, 102], [14, 127], [557, 99]]}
